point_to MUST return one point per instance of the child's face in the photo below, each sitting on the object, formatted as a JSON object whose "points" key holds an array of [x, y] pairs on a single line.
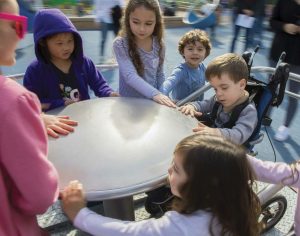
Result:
{"points": [[8, 36], [194, 54], [61, 46], [142, 22], [227, 91], [177, 176]]}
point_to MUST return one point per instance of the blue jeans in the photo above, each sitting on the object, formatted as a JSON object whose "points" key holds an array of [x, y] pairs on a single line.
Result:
{"points": [[105, 27], [258, 30], [236, 34]]}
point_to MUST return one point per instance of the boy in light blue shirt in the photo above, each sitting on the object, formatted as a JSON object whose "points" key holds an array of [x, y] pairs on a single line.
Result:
{"points": [[189, 76]]}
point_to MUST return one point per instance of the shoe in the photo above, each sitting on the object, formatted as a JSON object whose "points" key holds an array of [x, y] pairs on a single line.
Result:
{"points": [[282, 133]]}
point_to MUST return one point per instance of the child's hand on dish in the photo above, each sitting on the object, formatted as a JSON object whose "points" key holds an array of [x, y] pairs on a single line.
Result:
{"points": [[164, 100], [114, 94], [69, 101], [189, 110], [203, 129], [56, 125], [73, 199]]}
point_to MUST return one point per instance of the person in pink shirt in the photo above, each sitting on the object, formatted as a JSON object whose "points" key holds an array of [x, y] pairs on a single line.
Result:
{"points": [[28, 181]]}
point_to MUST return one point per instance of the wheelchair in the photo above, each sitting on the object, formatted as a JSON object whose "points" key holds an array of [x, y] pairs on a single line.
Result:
{"points": [[264, 94]]}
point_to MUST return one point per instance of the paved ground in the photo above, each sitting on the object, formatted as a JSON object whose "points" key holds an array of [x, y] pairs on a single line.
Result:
{"points": [[287, 152]]}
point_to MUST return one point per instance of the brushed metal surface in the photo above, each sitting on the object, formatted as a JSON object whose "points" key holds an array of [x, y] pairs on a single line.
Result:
{"points": [[122, 146]]}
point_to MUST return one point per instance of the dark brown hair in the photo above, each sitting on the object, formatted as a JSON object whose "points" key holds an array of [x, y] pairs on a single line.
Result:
{"points": [[220, 180], [192, 37], [152, 5], [229, 63]]}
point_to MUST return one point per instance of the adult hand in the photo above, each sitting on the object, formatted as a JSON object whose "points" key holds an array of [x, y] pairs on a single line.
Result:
{"points": [[291, 28], [203, 129], [73, 199], [56, 125], [248, 12], [189, 110], [164, 100]]}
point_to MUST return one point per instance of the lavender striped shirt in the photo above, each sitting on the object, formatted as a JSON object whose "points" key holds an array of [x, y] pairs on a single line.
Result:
{"points": [[130, 83]]}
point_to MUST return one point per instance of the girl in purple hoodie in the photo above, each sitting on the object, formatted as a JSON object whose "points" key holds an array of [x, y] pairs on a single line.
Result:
{"points": [[61, 74]]}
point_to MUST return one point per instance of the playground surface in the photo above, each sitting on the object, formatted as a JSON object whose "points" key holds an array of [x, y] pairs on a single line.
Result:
{"points": [[288, 151]]}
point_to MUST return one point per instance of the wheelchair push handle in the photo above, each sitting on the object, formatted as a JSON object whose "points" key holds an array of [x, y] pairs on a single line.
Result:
{"points": [[249, 56], [281, 58], [279, 80]]}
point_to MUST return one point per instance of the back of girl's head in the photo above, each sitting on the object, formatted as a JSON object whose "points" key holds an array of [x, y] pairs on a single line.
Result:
{"points": [[220, 180], [228, 63], [192, 37], [152, 5]]}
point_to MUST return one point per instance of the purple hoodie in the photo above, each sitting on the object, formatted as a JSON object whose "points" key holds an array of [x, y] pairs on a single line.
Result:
{"points": [[41, 77]]}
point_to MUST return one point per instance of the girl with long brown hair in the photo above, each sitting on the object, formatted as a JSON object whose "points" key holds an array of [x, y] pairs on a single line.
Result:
{"points": [[140, 52], [211, 180]]}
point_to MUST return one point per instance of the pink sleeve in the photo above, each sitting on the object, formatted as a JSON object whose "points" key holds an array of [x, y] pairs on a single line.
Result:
{"points": [[31, 177], [277, 173]]}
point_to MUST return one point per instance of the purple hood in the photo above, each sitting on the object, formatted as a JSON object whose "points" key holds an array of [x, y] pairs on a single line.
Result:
{"points": [[52, 21]]}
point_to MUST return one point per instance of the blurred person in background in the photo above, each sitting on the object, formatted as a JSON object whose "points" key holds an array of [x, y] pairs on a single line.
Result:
{"points": [[285, 22], [108, 14], [247, 8], [257, 30]]}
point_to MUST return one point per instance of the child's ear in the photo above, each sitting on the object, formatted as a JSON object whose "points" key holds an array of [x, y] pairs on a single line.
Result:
{"points": [[243, 83]]}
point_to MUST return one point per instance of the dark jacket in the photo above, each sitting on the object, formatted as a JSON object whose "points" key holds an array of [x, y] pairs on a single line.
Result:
{"points": [[285, 11], [245, 4], [41, 77]]}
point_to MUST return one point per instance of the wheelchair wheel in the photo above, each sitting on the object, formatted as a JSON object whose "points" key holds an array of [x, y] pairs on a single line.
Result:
{"points": [[272, 212]]}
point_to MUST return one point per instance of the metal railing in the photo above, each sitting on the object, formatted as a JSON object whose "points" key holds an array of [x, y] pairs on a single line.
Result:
{"points": [[261, 69], [101, 66], [202, 90]]}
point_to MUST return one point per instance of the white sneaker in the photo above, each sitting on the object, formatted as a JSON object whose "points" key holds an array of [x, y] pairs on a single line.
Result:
{"points": [[282, 133]]}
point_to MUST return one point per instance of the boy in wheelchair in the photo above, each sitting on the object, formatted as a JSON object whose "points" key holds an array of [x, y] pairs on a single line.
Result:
{"points": [[230, 112], [236, 111], [260, 94]]}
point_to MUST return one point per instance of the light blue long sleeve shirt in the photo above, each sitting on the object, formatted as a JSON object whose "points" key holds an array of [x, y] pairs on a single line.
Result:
{"points": [[183, 81]]}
